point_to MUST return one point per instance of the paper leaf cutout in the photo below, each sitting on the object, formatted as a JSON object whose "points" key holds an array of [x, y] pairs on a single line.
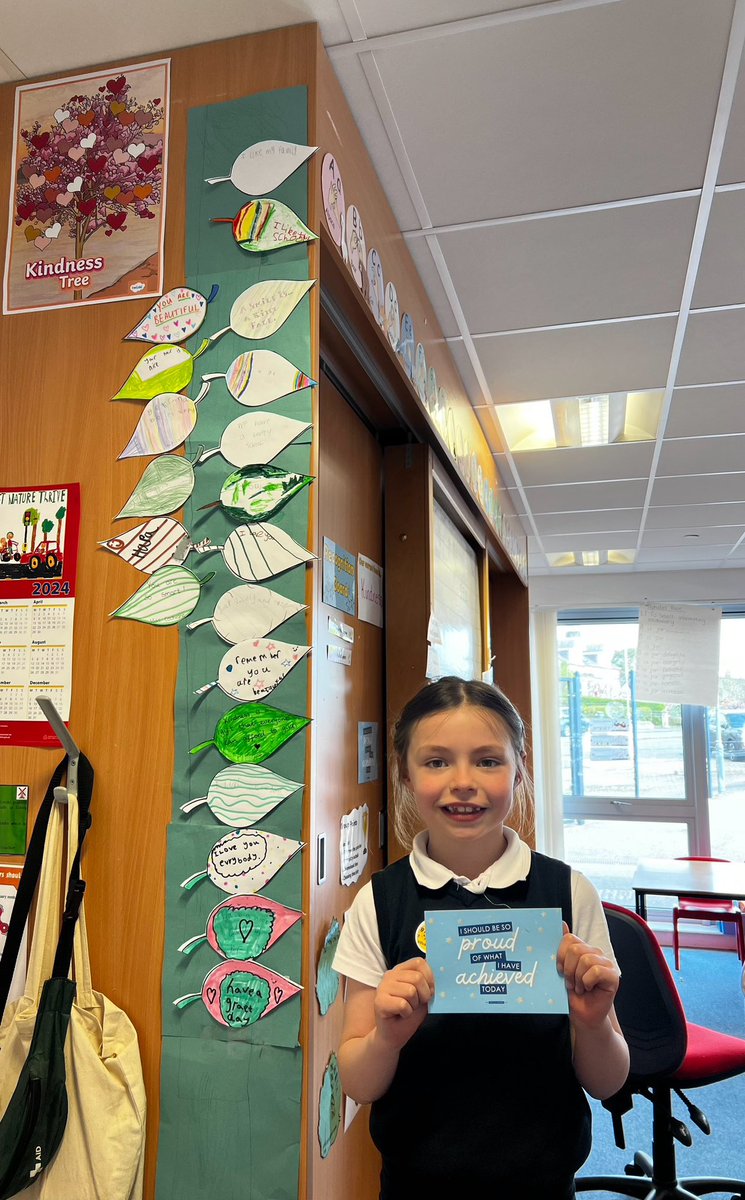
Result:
{"points": [[252, 669], [243, 794], [237, 994], [261, 377], [166, 421], [166, 484], [249, 611], [257, 438], [243, 927], [173, 318], [329, 1106], [151, 545], [244, 860], [267, 225], [327, 979], [161, 369], [256, 552], [250, 733], [169, 595], [261, 168], [262, 309], [255, 493]]}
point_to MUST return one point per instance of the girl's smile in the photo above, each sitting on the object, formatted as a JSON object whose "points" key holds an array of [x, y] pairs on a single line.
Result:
{"points": [[461, 769]]}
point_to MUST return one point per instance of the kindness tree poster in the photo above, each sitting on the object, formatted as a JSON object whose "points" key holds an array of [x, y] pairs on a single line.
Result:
{"points": [[87, 204]]}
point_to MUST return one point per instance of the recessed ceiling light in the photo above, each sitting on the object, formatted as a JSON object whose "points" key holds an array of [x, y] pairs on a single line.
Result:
{"points": [[576, 421]]}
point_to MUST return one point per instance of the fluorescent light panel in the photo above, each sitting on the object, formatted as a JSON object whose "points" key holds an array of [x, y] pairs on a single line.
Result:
{"points": [[576, 421], [591, 558]]}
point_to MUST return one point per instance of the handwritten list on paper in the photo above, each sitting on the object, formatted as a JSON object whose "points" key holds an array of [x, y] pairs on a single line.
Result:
{"points": [[677, 659]]}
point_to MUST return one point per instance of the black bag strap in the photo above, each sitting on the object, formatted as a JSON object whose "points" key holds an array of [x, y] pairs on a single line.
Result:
{"points": [[30, 877]]}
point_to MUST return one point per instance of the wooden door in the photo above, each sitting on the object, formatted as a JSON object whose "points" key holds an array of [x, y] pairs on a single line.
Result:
{"points": [[350, 514]]}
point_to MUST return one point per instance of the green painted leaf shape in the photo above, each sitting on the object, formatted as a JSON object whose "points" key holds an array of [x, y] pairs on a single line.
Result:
{"points": [[161, 369], [169, 595], [256, 493], [250, 733], [166, 483]]}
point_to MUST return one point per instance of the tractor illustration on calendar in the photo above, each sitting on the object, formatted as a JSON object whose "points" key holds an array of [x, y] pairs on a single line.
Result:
{"points": [[34, 557]]}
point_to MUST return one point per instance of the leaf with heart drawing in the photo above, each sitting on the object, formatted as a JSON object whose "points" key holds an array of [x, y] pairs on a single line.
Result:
{"points": [[174, 317], [237, 994], [244, 927]]}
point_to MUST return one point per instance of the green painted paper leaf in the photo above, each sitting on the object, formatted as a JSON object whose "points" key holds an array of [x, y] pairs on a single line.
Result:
{"points": [[251, 733], [269, 225], [166, 484], [255, 493], [161, 369], [169, 595]]}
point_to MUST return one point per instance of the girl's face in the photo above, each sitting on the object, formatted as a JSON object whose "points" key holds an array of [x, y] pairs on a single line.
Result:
{"points": [[461, 769]]}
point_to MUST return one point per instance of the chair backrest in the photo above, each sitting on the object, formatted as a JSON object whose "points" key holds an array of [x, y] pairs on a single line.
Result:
{"points": [[649, 1009]]}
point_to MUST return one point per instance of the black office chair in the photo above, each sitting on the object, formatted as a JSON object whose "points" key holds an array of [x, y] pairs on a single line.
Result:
{"points": [[668, 1054]]}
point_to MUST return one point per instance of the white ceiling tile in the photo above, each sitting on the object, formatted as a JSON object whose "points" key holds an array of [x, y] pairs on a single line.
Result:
{"points": [[619, 540], [723, 537], [576, 497], [623, 356], [697, 412], [628, 460], [585, 267], [732, 165], [430, 277], [721, 273], [144, 28], [577, 107], [466, 371], [697, 517], [714, 348], [391, 16], [704, 556], [699, 489], [699, 456], [616, 521]]}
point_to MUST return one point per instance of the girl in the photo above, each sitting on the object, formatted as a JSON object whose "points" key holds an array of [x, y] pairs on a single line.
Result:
{"points": [[481, 1100]]}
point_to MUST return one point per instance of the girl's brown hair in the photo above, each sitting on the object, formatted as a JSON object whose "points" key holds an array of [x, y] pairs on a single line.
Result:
{"points": [[448, 693]]}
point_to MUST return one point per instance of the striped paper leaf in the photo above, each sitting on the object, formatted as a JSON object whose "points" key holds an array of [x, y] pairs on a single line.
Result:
{"points": [[169, 595], [244, 794]]}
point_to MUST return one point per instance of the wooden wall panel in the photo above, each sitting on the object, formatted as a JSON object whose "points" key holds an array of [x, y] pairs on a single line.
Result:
{"points": [[58, 370]]}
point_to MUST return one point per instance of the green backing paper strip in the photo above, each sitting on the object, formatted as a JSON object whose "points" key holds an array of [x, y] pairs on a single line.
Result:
{"points": [[230, 1099]]}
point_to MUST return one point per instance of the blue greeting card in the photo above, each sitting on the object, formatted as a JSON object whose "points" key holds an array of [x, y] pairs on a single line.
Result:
{"points": [[496, 960]]}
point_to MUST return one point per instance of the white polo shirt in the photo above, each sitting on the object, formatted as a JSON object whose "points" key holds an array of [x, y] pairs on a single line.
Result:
{"points": [[359, 955]]}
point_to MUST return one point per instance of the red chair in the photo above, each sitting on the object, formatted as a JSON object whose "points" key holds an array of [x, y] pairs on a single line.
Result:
{"points": [[668, 1054], [693, 908]]}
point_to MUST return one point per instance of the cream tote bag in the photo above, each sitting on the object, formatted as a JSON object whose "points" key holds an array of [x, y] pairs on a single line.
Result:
{"points": [[101, 1156]]}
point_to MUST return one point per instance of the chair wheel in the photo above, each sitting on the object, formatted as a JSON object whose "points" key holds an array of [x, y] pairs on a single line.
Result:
{"points": [[641, 1167]]}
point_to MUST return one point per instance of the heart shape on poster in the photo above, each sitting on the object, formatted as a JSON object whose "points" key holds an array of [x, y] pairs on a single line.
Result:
{"points": [[61, 114], [40, 140], [87, 207], [76, 153], [88, 141], [70, 126], [96, 163], [111, 193], [117, 107], [136, 149], [148, 162], [50, 195], [41, 243], [115, 86], [53, 174], [126, 197], [278, 994], [116, 220], [76, 184], [87, 118], [65, 198], [37, 181], [26, 209], [143, 190], [32, 232], [54, 230], [127, 118], [120, 156]]}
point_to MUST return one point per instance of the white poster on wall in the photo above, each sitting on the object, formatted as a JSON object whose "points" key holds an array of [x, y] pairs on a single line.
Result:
{"points": [[677, 659], [369, 591]]}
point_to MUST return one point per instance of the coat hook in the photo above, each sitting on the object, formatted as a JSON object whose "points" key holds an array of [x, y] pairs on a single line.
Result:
{"points": [[66, 738]]}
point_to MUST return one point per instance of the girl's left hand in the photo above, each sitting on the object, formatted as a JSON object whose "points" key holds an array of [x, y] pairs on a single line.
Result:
{"points": [[591, 978]]}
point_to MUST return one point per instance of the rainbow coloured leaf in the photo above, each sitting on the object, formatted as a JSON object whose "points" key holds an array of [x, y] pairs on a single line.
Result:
{"points": [[166, 484], [251, 733], [267, 224], [169, 595], [166, 421], [259, 377], [161, 369], [244, 794], [173, 318]]}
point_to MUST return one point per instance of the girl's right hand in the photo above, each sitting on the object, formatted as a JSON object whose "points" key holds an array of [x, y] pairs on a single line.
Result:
{"points": [[401, 1001]]}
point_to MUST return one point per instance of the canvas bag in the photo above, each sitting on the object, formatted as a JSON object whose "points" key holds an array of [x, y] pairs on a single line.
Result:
{"points": [[101, 1155]]}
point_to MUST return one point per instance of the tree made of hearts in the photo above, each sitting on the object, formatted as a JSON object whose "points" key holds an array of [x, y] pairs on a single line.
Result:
{"points": [[99, 164]]}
